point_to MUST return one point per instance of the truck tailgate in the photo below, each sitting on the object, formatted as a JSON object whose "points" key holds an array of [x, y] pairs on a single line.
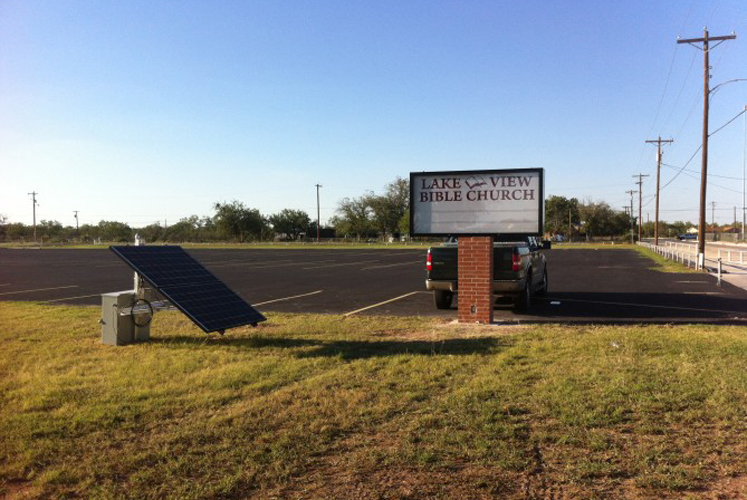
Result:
{"points": [[445, 264]]}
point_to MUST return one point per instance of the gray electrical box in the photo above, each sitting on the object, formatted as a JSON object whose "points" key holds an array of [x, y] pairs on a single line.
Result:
{"points": [[118, 328]]}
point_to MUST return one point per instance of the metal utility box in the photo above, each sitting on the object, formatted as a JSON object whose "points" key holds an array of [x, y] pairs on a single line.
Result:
{"points": [[118, 328]]}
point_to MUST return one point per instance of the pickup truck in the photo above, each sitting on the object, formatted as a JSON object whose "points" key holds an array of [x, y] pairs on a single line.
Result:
{"points": [[519, 271]]}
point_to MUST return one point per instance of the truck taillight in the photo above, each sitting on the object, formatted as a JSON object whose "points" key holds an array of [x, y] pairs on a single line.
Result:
{"points": [[428, 262], [516, 261]]}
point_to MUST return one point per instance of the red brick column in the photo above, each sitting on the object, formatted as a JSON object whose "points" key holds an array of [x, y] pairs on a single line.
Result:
{"points": [[475, 279]]}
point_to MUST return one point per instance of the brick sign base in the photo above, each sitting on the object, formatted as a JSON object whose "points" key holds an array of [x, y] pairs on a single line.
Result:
{"points": [[475, 279]]}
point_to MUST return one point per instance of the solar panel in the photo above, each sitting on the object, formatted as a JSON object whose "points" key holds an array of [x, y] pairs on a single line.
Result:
{"points": [[190, 287]]}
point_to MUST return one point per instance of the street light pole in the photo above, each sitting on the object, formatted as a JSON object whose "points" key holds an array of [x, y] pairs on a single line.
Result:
{"points": [[34, 204], [318, 232]]}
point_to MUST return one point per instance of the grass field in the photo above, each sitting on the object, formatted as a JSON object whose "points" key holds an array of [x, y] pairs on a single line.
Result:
{"points": [[365, 407]]}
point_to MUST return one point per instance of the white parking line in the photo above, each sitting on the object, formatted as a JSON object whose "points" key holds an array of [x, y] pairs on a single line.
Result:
{"points": [[73, 298], [218, 264], [394, 265], [691, 282], [341, 265], [703, 293], [287, 298], [379, 304], [260, 266], [647, 305], [39, 290]]}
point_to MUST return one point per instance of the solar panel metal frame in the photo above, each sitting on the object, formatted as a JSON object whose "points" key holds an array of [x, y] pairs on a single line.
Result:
{"points": [[205, 279]]}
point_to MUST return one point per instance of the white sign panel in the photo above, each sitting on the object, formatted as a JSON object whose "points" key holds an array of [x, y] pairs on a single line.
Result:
{"points": [[478, 202]]}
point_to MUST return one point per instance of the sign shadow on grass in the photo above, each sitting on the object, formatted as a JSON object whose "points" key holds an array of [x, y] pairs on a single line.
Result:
{"points": [[345, 349]]}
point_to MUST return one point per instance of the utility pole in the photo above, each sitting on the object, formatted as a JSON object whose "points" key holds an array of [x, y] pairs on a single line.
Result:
{"points": [[744, 175], [706, 97], [713, 215], [76, 223], [632, 218], [640, 202], [570, 226], [34, 204], [318, 224], [658, 143]]}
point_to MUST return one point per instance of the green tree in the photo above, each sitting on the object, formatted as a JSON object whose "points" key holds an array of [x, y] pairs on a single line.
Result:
{"points": [[404, 223], [599, 219], [115, 231], [354, 218], [50, 230], [183, 230], [151, 232], [291, 223], [89, 232], [17, 231], [236, 221], [557, 212], [387, 210], [372, 214]]}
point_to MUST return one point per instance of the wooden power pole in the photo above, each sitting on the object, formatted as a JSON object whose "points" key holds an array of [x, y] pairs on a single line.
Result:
{"points": [[640, 202], [632, 218], [658, 143], [706, 97]]}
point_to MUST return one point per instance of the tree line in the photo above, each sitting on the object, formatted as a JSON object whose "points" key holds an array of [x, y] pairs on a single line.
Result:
{"points": [[369, 216], [575, 220], [232, 221]]}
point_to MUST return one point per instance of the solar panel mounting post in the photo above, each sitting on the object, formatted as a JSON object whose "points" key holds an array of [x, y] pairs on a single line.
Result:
{"points": [[138, 242]]}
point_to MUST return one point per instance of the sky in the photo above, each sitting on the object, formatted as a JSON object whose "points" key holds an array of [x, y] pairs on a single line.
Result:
{"points": [[150, 111]]}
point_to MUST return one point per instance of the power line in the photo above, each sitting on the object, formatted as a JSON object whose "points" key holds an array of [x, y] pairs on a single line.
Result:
{"points": [[666, 85], [692, 176], [679, 94], [727, 123], [683, 168], [712, 175]]}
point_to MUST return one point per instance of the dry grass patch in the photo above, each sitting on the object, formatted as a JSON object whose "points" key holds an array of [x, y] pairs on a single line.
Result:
{"points": [[315, 406]]}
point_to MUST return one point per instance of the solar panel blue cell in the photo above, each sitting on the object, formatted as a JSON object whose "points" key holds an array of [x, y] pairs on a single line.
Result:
{"points": [[194, 290]]}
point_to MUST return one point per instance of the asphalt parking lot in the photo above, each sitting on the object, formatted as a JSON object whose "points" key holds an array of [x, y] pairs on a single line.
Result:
{"points": [[586, 286]]}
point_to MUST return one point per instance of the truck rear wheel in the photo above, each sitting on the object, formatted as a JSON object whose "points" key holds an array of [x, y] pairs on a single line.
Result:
{"points": [[443, 299], [524, 301], [542, 290]]}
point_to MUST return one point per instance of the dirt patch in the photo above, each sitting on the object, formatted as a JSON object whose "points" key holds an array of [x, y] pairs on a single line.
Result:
{"points": [[386, 483], [17, 490], [728, 488], [453, 329]]}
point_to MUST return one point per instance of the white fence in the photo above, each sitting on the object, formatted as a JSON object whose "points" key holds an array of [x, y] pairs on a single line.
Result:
{"points": [[724, 255], [734, 260], [674, 251]]}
